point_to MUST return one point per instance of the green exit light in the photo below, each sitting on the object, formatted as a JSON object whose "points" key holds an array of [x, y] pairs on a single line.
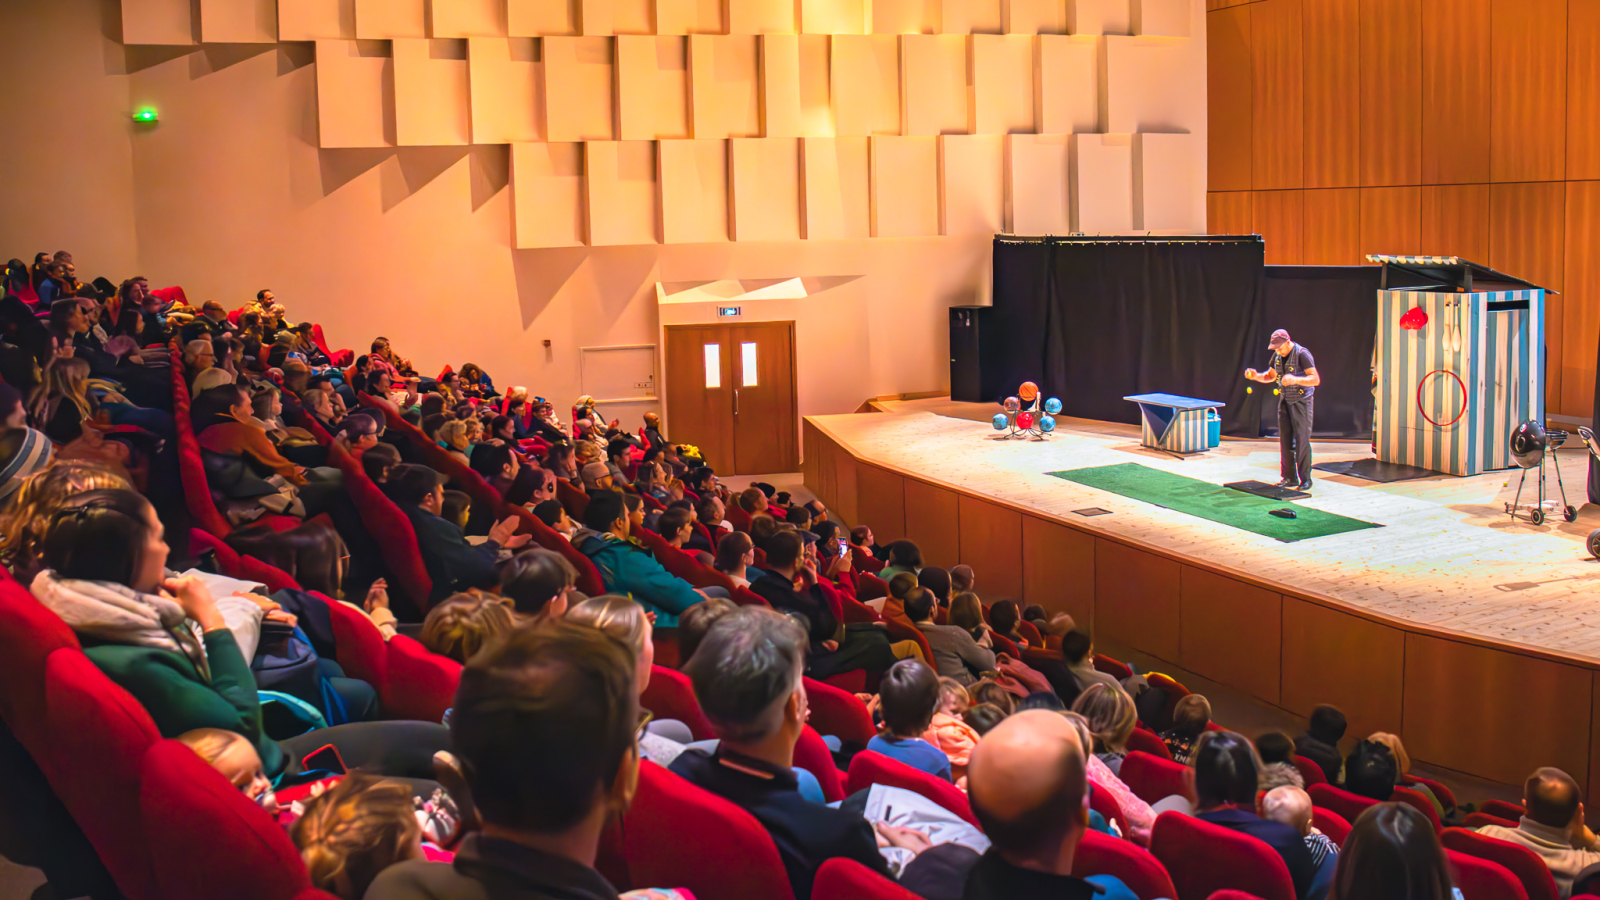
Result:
{"points": [[148, 114]]}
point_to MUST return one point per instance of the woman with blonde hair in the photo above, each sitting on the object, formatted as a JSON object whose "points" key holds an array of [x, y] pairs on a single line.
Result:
{"points": [[25, 522], [966, 611], [1402, 761], [355, 830], [625, 620], [1111, 717], [452, 436], [463, 624], [61, 405]]}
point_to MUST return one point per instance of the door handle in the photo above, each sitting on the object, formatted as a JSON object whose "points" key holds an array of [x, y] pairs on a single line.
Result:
{"points": [[736, 401]]}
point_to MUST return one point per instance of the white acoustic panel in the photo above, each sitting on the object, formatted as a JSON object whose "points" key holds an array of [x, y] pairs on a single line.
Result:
{"points": [[1001, 67], [383, 19], [620, 192], [467, 18], [933, 83], [310, 20], [652, 87], [157, 22], [431, 108], [761, 17], [1035, 16], [1167, 18], [1099, 17], [972, 190], [1168, 184], [905, 186], [836, 188], [547, 195], [693, 179], [724, 86], [1150, 85], [865, 72], [1038, 191], [1066, 83], [578, 88], [972, 16], [906, 16], [355, 80], [691, 17], [507, 88], [1102, 183], [238, 21], [835, 16], [538, 18], [764, 189]]}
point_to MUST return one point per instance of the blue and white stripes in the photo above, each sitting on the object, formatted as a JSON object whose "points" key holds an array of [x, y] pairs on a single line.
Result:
{"points": [[1178, 430]]}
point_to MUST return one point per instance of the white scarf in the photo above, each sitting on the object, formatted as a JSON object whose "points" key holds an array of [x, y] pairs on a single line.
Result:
{"points": [[121, 615]]}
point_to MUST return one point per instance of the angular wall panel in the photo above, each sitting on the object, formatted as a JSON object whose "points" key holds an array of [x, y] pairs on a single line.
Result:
{"points": [[1166, 18], [1099, 16], [507, 90], [547, 195], [724, 86], [467, 18], [761, 17], [870, 66], [238, 21], [431, 107], [906, 17], [905, 186], [972, 184], [652, 87], [636, 17], [355, 94], [537, 18], [972, 16], [578, 88], [157, 22], [620, 194], [1066, 79], [1035, 16], [836, 188], [1168, 186], [693, 178], [933, 83], [382, 19], [816, 85], [835, 16], [690, 17], [780, 86], [1152, 84], [764, 189], [1102, 183], [1002, 84], [310, 20], [1038, 188]]}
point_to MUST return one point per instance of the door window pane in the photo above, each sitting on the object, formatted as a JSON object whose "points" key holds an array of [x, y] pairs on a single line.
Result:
{"points": [[747, 364], [713, 366]]}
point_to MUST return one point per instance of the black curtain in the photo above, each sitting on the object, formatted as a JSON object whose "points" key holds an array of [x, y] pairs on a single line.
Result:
{"points": [[1333, 311], [1011, 333]]}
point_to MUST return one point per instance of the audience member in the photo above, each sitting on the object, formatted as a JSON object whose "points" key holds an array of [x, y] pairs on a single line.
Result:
{"points": [[1225, 780], [966, 613], [937, 581], [955, 654], [456, 508], [962, 579], [908, 698], [735, 555], [626, 621], [452, 563], [1403, 762], [903, 557], [1292, 806], [1276, 751], [790, 585], [1077, 648], [625, 566], [1320, 743], [1004, 619], [1111, 719], [235, 757], [1392, 853], [354, 830], [693, 625], [983, 717], [543, 802], [538, 582], [1552, 826], [459, 626], [553, 514], [1371, 771], [1189, 720]]}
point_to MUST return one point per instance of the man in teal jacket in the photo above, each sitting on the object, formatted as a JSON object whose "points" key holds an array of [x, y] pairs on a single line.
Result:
{"points": [[628, 568]]}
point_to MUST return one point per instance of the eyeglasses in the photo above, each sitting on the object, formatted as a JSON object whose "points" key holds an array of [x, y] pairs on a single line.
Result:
{"points": [[645, 716]]}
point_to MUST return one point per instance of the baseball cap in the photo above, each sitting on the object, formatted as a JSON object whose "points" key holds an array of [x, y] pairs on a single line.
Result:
{"points": [[1279, 338]]}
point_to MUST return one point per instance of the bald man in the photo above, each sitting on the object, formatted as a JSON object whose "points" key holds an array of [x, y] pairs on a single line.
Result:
{"points": [[1027, 780], [1553, 826], [1292, 806]]}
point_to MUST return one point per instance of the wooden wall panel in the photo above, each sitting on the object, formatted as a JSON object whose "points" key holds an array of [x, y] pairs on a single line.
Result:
{"points": [[1455, 91], [1580, 308], [1391, 92], [1528, 119], [1340, 659], [1331, 36], [1058, 569], [1277, 100], [1499, 714], [1333, 227], [1279, 217], [1228, 212], [1527, 225], [1583, 89], [1136, 599], [1230, 631], [991, 543], [1391, 219], [845, 469], [1228, 90], [1455, 221], [933, 523], [881, 501]]}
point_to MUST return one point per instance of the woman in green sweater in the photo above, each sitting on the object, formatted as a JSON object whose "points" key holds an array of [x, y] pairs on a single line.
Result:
{"points": [[163, 640]]}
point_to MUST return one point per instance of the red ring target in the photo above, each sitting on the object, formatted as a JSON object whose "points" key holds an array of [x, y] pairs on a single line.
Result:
{"points": [[1423, 383]]}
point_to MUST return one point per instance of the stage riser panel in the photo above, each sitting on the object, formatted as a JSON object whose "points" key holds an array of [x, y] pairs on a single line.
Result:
{"points": [[1470, 706]]}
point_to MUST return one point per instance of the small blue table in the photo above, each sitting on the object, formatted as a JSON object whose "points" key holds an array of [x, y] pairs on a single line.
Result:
{"points": [[1177, 424]]}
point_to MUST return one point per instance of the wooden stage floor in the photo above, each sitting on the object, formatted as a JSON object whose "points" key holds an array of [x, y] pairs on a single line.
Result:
{"points": [[1447, 559]]}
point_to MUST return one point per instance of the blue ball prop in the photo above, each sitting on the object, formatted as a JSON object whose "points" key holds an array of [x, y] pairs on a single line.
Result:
{"points": [[1047, 424], [1052, 406], [1000, 421]]}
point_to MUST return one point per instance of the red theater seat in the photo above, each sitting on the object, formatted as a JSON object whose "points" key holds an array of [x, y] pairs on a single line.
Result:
{"points": [[870, 587], [813, 755], [1524, 864], [388, 526], [1482, 879], [1101, 801], [839, 713], [1101, 854], [1309, 771], [846, 879], [1476, 820], [1341, 801], [1203, 858], [1330, 823], [670, 695], [1502, 809], [1152, 778], [1446, 798], [869, 768], [1418, 802], [1146, 741], [1119, 670]]}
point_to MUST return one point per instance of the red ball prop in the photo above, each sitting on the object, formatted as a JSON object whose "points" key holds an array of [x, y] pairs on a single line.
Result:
{"points": [[1025, 420]]}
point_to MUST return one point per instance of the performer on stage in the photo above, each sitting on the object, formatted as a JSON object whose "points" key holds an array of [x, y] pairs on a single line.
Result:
{"points": [[1295, 373]]}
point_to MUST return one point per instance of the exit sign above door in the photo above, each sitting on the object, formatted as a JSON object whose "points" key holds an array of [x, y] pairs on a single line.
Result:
{"points": [[724, 312]]}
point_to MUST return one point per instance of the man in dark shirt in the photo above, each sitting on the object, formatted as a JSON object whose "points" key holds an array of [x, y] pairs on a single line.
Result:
{"points": [[543, 803], [452, 563], [1295, 373], [790, 585], [1320, 743], [746, 674]]}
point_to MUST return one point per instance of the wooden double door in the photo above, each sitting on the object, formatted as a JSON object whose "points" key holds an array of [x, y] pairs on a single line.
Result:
{"points": [[731, 392]]}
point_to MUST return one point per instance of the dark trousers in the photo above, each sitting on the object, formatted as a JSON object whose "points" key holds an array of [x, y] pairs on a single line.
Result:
{"points": [[1294, 438]]}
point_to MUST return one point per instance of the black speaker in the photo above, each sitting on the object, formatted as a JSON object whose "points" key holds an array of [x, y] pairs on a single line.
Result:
{"points": [[966, 381]]}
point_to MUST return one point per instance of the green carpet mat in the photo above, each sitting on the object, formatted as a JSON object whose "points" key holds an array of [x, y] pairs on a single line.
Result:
{"points": [[1213, 502]]}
